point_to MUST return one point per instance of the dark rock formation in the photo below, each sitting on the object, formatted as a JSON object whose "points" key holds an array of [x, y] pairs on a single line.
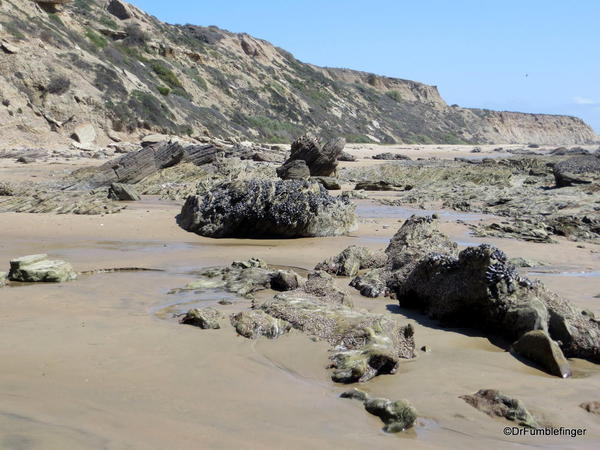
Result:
{"points": [[345, 156], [321, 159], [255, 209], [329, 183], [483, 290], [119, 9], [495, 404], [577, 170], [377, 186]]}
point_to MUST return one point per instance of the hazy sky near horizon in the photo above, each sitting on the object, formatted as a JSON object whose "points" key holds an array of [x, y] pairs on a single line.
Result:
{"points": [[519, 55]]}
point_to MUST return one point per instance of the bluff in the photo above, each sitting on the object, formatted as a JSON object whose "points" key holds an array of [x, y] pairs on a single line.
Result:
{"points": [[107, 64]]}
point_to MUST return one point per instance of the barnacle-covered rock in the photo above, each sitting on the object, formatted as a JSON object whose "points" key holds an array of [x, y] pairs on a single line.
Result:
{"points": [[254, 209]]}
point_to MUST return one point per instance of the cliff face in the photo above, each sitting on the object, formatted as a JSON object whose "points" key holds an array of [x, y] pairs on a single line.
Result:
{"points": [[107, 63]]}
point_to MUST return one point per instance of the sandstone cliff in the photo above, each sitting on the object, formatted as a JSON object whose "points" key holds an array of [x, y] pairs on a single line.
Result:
{"points": [[108, 67]]}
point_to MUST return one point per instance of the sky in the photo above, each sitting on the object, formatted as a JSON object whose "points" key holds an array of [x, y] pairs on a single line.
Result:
{"points": [[527, 55]]}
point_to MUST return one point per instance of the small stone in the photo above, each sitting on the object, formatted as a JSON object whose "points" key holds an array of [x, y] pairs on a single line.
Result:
{"points": [[225, 302], [255, 323], [205, 318], [592, 407], [538, 347]]}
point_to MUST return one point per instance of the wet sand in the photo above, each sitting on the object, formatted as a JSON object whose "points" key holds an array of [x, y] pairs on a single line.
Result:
{"points": [[101, 362]]}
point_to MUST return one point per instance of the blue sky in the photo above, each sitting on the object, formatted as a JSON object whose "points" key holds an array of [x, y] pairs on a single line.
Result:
{"points": [[528, 55]]}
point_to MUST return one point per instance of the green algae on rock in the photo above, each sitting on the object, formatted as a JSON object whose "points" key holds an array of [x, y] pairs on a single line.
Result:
{"points": [[38, 268]]}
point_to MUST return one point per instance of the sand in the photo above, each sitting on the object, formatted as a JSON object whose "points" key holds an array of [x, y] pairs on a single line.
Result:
{"points": [[100, 362]]}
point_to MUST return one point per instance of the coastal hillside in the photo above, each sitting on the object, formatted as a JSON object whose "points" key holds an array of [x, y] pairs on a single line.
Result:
{"points": [[106, 69]]}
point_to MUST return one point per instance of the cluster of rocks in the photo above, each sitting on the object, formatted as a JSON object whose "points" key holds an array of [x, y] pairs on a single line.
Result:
{"points": [[363, 344], [310, 157], [480, 288], [46, 200]]}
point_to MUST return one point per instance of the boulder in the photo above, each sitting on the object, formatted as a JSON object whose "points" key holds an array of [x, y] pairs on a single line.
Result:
{"points": [[123, 192], [284, 280], [321, 159], [351, 260], [276, 209], [84, 133], [256, 323], [372, 283], [153, 139], [495, 404], [481, 289], [205, 318], [329, 183], [583, 169], [397, 416], [38, 268], [293, 170], [119, 9], [538, 347]]}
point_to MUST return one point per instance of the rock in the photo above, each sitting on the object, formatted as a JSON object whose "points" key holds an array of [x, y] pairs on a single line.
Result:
{"points": [[284, 281], [493, 403], [591, 407], [25, 160], [84, 133], [376, 186], [523, 262], [577, 170], [153, 139], [366, 344], [391, 156], [293, 170], [345, 156], [205, 318], [119, 9], [225, 302], [123, 192], [320, 158], [38, 268], [9, 48], [563, 151], [329, 183], [354, 194], [3, 279], [355, 394], [397, 416], [481, 289], [282, 209], [351, 260], [372, 283], [538, 347], [322, 285], [255, 323]]}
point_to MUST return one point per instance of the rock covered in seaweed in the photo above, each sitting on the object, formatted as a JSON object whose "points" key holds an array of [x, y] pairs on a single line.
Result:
{"points": [[351, 260], [396, 415], [255, 323], [38, 268], [255, 209], [493, 403], [205, 318]]}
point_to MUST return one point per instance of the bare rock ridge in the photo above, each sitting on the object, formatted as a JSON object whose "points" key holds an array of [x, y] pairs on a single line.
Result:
{"points": [[117, 70]]}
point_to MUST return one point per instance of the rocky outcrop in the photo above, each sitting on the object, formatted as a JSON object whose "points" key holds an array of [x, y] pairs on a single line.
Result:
{"points": [[320, 158], [481, 289], [251, 209], [377, 186], [577, 170], [397, 416], [38, 268], [366, 344], [295, 169], [119, 9], [495, 404]]}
